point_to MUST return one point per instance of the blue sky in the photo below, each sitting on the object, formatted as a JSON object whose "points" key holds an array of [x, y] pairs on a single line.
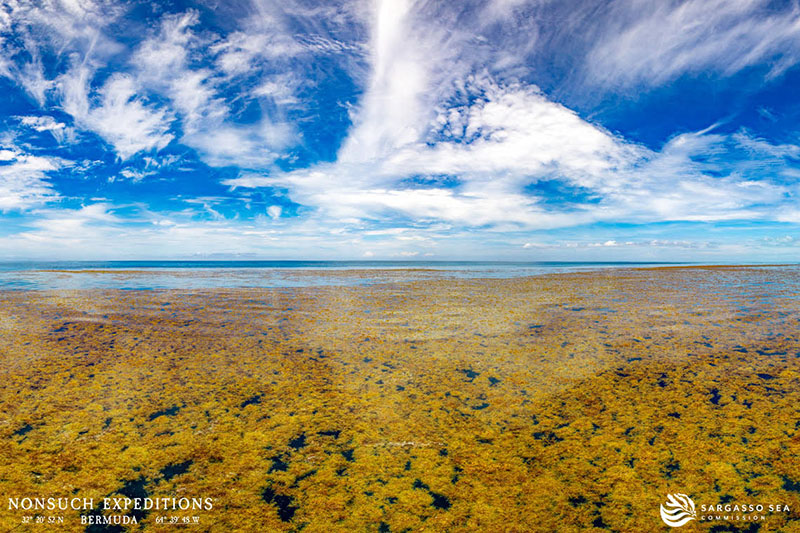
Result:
{"points": [[386, 129]]}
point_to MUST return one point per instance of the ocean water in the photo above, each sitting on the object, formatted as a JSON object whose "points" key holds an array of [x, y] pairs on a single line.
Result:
{"points": [[144, 275]]}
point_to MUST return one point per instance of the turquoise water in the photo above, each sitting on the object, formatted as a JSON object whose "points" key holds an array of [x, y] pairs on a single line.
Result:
{"points": [[231, 274]]}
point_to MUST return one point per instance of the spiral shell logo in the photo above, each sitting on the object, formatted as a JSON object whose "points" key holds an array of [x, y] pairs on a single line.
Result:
{"points": [[678, 511]]}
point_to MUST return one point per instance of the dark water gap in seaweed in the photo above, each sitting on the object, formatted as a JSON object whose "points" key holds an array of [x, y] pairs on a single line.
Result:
{"points": [[282, 502]]}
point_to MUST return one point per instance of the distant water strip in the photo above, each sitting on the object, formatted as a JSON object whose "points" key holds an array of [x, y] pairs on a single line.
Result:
{"points": [[144, 275]]}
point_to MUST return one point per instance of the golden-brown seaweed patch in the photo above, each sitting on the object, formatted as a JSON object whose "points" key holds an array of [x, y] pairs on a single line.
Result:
{"points": [[565, 402]]}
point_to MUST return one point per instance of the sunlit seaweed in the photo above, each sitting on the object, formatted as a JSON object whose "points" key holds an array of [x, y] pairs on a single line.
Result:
{"points": [[566, 402]]}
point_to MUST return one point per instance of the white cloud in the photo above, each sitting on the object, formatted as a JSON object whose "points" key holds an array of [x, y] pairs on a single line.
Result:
{"points": [[23, 180], [65, 25], [682, 182], [513, 137], [117, 112], [511, 133], [503, 140], [31, 76], [72, 225], [163, 63], [44, 123], [760, 147], [281, 88], [95, 231], [419, 53], [789, 214], [243, 146], [447, 134], [69, 21], [123, 119], [134, 175], [240, 51], [434, 141], [392, 112], [58, 130], [412, 121], [178, 74], [654, 43]]}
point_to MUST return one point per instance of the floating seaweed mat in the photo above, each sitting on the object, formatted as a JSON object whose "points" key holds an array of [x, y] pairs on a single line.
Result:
{"points": [[565, 402]]}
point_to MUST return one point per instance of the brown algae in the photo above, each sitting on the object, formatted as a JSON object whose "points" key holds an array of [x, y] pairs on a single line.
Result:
{"points": [[569, 402]]}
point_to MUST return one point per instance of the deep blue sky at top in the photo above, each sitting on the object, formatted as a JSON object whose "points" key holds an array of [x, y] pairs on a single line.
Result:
{"points": [[493, 129]]}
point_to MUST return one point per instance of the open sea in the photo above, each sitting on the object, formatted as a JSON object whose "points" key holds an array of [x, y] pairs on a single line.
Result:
{"points": [[143, 275]]}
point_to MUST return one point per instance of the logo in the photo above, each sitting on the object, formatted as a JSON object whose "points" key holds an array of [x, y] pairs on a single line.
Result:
{"points": [[678, 511]]}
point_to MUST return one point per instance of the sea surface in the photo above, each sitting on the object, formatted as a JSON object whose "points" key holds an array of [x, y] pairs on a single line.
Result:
{"points": [[142, 275]]}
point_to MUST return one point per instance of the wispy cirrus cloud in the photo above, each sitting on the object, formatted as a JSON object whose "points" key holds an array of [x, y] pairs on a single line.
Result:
{"points": [[31, 30], [162, 65], [118, 115], [655, 43]]}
